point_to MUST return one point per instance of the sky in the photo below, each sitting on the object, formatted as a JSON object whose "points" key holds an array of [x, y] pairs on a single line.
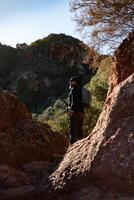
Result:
{"points": [[24, 21]]}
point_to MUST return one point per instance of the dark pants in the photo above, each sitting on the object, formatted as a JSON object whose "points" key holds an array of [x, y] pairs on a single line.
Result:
{"points": [[76, 124]]}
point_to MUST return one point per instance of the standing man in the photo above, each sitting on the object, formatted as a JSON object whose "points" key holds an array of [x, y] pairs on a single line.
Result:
{"points": [[76, 111]]}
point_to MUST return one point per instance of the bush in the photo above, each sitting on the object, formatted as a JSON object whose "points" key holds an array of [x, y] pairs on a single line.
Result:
{"points": [[98, 87], [56, 117]]}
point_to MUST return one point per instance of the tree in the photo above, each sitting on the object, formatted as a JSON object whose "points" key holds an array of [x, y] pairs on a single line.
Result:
{"points": [[107, 21], [21, 46]]}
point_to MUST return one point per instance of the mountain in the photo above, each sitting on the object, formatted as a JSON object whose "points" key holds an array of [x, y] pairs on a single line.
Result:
{"points": [[39, 73]]}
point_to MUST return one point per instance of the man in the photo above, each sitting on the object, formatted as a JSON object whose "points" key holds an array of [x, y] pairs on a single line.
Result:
{"points": [[76, 111]]}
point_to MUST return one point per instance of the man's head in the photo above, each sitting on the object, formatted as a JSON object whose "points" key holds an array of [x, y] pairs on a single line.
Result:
{"points": [[75, 80]]}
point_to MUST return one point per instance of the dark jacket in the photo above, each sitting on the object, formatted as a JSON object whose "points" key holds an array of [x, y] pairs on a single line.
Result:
{"points": [[75, 99]]}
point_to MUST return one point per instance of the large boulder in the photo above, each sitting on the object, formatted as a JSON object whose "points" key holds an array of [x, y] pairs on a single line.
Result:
{"points": [[29, 151], [12, 111], [23, 140]]}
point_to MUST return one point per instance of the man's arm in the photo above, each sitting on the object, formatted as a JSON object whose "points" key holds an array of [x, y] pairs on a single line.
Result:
{"points": [[76, 99]]}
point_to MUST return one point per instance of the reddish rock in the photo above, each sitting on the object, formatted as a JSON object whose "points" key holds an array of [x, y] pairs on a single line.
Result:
{"points": [[11, 178], [23, 140], [123, 65], [11, 111], [31, 142], [28, 146], [72, 52], [21, 193]]}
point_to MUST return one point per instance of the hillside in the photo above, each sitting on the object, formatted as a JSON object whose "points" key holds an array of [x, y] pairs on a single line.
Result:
{"points": [[39, 73]]}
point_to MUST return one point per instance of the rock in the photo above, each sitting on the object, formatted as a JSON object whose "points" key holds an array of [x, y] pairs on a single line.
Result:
{"points": [[23, 140], [21, 193], [11, 111], [123, 65], [37, 171], [11, 178], [29, 151]]}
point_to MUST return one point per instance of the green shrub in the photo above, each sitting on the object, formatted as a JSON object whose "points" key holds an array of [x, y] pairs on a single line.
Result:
{"points": [[56, 117], [98, 87]]}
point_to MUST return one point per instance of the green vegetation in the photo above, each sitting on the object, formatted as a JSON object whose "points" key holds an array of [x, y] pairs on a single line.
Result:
{"points": [[56, 115], [98, 87]]}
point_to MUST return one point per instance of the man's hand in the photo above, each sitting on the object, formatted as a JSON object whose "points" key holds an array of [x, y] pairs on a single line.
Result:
{"points": [[70, 113]]}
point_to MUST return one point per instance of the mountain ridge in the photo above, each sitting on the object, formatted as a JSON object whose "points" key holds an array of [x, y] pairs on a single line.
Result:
{"points": [[39, 73]]}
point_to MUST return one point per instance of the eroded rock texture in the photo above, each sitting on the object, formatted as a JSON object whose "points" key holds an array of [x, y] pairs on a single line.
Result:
{"points": [[29, 151], [123, 65]]}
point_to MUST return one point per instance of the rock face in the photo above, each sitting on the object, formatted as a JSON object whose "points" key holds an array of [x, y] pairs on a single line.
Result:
{"points": [[123, 65], [21, 139], [29, 151], [40, 72], [12, 112], [101, 166]]}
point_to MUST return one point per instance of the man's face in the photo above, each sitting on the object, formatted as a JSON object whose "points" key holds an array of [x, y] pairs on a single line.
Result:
{"points": [[73, 83]]}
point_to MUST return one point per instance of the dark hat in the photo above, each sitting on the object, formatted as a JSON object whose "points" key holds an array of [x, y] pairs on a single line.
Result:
{"points": [[76, 79]]}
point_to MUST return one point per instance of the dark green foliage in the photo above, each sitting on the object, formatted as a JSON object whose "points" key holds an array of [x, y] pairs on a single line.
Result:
{"points": [[98, 87], [42, 70], [21, 46]]}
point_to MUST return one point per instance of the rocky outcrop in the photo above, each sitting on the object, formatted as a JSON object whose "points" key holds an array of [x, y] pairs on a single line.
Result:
{"points": [[101, 166], [21, 139], [123, 65], [29, 151], [12, 112], [39, 73]]}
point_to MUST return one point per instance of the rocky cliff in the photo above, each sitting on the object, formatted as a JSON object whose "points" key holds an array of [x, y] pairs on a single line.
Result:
{"points": [[123, 65], [101, 166], [39, 73]]}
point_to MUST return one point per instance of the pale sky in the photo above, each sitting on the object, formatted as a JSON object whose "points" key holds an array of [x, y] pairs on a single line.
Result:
{"points": [[28, 20]]}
